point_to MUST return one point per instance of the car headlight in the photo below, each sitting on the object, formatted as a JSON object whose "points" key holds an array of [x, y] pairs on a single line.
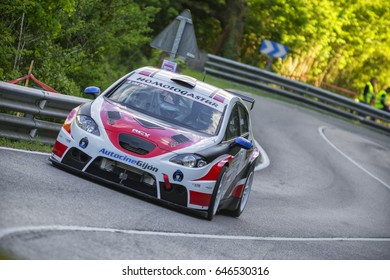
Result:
{"points": [[88, 124], [189, 160]]}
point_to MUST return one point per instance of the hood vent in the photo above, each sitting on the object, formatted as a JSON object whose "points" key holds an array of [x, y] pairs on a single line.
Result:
{"points": [[180, 138], [185, 81], [148, 124], [113, 116], [135, 144]]}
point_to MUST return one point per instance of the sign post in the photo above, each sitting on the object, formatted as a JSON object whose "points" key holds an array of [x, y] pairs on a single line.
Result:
{"points": [[178, 38], [183, 21]]}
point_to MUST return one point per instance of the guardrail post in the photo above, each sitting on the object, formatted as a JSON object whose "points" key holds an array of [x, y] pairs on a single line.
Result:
{"points": [[42, 104], [33, 132]]}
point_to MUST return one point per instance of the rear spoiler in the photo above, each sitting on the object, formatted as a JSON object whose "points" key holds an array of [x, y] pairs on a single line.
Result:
{"points": [[244, 97]]}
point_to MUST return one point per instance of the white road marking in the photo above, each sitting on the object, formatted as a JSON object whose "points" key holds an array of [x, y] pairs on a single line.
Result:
{"points": [[24, 151], [17, 230], [321, 131], [265, 158]]}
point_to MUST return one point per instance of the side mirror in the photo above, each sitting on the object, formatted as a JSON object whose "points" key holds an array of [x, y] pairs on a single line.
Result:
{"points": [[243, 143], [94, 91]]}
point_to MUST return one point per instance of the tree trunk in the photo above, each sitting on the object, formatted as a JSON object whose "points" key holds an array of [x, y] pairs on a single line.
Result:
{"points": [[233, 23]]}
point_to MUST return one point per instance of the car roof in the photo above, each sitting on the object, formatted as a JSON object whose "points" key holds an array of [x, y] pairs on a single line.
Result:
{"points": [[202, 88]]}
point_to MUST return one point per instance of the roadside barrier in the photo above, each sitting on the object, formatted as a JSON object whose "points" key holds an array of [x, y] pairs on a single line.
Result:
{"points": [[33, 114], [272, 83]]}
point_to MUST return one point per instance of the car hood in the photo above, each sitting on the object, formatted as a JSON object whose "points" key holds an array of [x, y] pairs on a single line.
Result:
{"points": [[137, 134]]}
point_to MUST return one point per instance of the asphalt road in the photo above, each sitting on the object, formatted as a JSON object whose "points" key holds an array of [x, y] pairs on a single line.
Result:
{"points": [[325, 195]]}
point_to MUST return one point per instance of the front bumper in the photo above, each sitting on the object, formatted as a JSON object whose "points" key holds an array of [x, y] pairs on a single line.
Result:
{"points": [[153, 177], [169, 197]]}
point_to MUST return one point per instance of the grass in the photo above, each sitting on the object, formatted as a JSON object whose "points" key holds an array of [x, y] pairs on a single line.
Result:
{"points": [[221, 83], [26, 145], [225, 84]]}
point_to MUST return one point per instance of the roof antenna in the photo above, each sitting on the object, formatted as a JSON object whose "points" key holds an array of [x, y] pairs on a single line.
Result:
{"points": [[204, 75]]}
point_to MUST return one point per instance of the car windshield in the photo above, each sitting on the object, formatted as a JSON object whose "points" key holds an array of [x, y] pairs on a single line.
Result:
{"points": [[168, 106]]}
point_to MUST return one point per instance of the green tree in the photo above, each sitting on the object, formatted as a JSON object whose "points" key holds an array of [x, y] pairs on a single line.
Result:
{"points": [[74, 43], [340, 42], [219, 25]]}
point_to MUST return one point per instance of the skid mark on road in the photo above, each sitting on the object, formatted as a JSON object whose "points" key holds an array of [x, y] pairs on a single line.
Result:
{"points": [[321, 131], [20, 230]]}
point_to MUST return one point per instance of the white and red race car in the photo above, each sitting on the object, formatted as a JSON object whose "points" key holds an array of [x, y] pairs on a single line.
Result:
{"points": [[165, 136]]}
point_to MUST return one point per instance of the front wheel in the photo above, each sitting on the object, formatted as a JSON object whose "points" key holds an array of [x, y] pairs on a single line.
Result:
{"points": [[217, 194], [245, 194]]}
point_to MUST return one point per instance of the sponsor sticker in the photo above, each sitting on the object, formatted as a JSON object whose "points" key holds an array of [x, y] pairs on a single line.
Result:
{"points": [[178, 176], [193, 95], [139, 163], [83, 143], [140, 132]]}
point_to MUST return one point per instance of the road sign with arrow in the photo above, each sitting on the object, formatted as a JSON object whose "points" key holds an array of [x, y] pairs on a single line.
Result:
{"points": [[273, 49]]}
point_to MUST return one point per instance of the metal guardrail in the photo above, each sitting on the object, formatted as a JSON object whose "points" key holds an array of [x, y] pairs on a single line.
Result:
{"points": [[275, 84], [32, 114]]}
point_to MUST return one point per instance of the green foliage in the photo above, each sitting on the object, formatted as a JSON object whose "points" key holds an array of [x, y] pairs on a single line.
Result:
{"points": [[339, 42], [25, 145], [74, 43], [210, 19], [77, 43]]}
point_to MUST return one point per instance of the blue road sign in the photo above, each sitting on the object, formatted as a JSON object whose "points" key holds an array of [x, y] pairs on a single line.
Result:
{"points": [[273, 49]]}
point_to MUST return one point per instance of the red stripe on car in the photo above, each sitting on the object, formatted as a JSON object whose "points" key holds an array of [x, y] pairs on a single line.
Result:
{"points": [[213, 174], [59, 149], [145, 73], [167, 183], [219, 98], [198, 198]]}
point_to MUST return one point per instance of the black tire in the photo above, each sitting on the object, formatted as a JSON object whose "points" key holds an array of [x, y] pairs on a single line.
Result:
{"points": [[216, 196], [245, 195]]}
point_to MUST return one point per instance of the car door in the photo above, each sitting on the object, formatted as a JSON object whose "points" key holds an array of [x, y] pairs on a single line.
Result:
{"points": [[238, 125]]}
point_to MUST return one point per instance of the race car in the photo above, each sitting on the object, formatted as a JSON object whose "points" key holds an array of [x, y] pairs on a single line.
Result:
{"points": [[166, 136]]}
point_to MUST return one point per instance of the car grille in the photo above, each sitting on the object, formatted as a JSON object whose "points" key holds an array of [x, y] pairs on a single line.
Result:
{"points": [[76, 158], [135, 144], [124, 175]]}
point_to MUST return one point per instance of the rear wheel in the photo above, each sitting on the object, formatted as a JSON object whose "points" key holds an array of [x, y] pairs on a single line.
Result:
{"points": [[217, 194], [245, 194]]}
